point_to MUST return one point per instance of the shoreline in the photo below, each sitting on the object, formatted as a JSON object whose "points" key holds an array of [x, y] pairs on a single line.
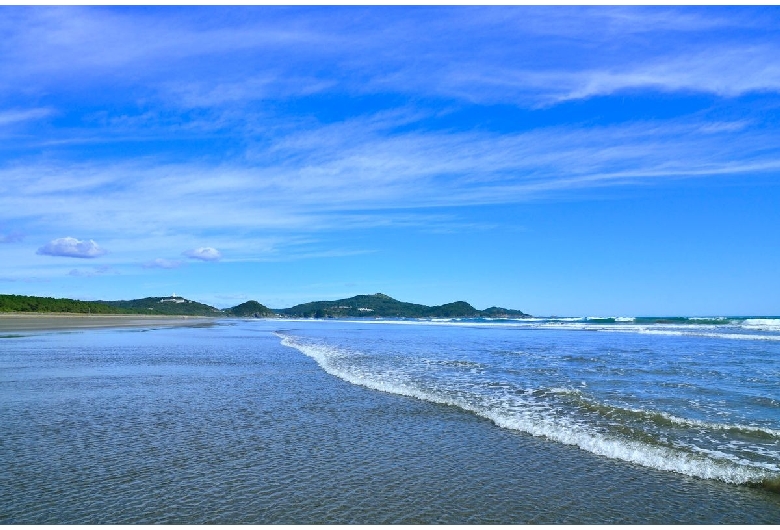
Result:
{"points": [[64, 321]]}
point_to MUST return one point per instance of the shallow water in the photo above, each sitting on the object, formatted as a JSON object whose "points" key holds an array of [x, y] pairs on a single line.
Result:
{"points": [[227, 425]]}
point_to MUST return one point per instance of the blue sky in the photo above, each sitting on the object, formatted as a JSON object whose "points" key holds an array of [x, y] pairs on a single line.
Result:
{"points": [[570, 161]]}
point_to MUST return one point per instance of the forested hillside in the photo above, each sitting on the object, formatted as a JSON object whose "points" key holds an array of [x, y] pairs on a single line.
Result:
{"points": [[40, 304], [146, 306], [166, 305], [375, 305], [251, 308], [381, 305]]}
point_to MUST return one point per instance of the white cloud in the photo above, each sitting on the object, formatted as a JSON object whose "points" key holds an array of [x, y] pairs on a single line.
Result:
{"points": [[729, 71], [68, 43], [203, 254], [360, 173], [162, 263], [72, 248]]}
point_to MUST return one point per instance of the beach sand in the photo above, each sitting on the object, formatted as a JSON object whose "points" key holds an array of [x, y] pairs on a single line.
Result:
{"points": [[63, 321]]}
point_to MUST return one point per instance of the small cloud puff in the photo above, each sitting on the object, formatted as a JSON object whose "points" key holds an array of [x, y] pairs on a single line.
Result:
{"points": [[161, 263], [72, 248], [203, 254]]}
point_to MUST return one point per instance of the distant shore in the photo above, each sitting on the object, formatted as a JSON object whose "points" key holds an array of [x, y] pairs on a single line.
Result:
{"points": [[56, 321]]}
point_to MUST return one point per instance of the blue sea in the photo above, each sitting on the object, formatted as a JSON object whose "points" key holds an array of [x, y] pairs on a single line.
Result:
{"points": [[538, 420]]}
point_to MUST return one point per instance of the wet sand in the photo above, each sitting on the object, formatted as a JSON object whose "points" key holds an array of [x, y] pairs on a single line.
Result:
{"points": [[61, 321]]}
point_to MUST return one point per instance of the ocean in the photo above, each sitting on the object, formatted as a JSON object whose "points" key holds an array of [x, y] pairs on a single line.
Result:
{"points": [[557, 420]]}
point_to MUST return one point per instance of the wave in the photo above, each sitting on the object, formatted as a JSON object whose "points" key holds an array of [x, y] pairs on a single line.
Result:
{"points": [[761, 324], [538, 419], [604, 320], [695, 332], [752, 329]]}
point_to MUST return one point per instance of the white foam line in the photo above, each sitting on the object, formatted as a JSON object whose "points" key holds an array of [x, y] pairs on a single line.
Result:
{"points": [[661, 458], [732, 336], [672, 330], [762, 324]]}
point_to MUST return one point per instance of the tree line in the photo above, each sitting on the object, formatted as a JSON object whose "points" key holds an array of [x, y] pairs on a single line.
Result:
{"points": [[43, 304]]}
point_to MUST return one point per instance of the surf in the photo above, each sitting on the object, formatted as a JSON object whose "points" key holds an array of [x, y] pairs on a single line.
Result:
{"points": [[541, 412]]}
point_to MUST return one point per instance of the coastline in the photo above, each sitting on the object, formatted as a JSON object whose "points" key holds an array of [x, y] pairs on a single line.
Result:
{"points": [[65, 321]]}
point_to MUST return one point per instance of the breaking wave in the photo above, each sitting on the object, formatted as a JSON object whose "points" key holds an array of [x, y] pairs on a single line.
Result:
{"points": [[730, 328], [543, 412]]}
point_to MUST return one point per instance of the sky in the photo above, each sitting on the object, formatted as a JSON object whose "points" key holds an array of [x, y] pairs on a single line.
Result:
{"points": [[603, 161]]}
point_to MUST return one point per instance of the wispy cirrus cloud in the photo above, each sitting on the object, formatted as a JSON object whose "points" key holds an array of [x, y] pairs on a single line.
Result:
{"points": [[40, 42], [321, 177], [72, 248], [475, 54], [8, 117], [725, 72]]}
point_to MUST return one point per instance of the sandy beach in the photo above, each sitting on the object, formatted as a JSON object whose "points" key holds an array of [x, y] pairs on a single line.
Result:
{"points": [[57, 321]]}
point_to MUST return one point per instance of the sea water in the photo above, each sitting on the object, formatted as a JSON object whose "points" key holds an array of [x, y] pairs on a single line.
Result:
{"points": [[699, 397], [394, 421]]}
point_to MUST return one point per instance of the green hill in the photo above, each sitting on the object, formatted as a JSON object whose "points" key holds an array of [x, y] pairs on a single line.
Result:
{"points": [[165, 305], [249, 309], [381, 305], [374, 305], [146, 306], [45, 304], [501, 312]]}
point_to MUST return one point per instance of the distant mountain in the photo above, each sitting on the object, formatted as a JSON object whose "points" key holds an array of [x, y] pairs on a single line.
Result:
{"points": [[164, 305], [500, 312], [249, 309], [173, 305], [371, 305], [381, 305]]}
